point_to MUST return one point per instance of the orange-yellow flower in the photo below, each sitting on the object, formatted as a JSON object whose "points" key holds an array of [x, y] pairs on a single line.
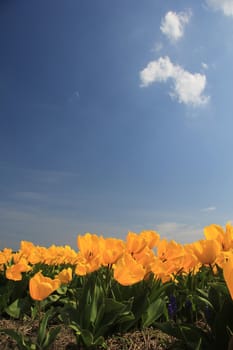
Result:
{"points": [[65, 276], [128, 271], [88, 245], [5, 255], [26, 248], [216, 232], [40, 287], [135, 243], [85, 266], [206, 251], [111, 249], [145, 258], [151, 237], [228, 274], [190, 262], [173, 252], [81, 269], [89, 255], [162, 270], [14, 272]]}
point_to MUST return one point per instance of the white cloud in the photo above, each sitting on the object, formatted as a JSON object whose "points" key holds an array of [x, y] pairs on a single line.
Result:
{"points": [[187, 87], [159, 70], [158, 47], [208, 209], [173, 23], [204, 65], [226, 6], [182, 233]]}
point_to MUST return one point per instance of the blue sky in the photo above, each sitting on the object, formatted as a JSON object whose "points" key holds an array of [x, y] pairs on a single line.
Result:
{"points": [[115, 116]]}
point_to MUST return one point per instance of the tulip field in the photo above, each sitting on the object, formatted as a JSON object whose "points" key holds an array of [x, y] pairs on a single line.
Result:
{"points": [[109, 287]]}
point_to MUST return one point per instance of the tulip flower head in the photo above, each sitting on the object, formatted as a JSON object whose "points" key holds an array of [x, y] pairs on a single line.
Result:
{"points": [[40, 287]]}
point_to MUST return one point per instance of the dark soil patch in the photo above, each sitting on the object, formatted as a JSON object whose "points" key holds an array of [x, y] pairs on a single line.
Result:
{"points": [[148, 339]]}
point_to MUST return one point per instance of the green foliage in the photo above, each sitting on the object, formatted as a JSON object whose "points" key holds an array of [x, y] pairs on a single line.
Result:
{"points": [[14, 299], [96, 314], [195, 308], [147, 300], [44, 338], [18, 308], [208, 322], [153, 312], [188, 337]]}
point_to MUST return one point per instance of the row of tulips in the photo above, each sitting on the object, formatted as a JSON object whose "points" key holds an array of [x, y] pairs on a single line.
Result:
{"points": [[111, 285], [132, 260]]}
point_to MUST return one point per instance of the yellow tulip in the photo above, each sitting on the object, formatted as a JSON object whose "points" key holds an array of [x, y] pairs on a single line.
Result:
{"points": [[5, 255], [162, 270], [89, 255], [65, 276], [151, 237], [111, 249], [81, 269], [85, 266], [145, 258], [40, 287], [26, 248], [128, 271], [216, 232], [88, 245], [190, 262], [206, 251], [228, 274], [172, 251], [135, 243], [14, 272]]}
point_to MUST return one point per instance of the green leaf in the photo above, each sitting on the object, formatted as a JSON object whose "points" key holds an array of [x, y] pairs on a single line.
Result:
{"points": [[95, 302], [139, 307], [153, 312], [50, 300], [62, 289], [43, 327], [4, 295], [204, 301], [87, 337], [76, 328], [188, 337], [50, 338], [223, 321], [100, 341], [198, 346], [213, 297], [169, 328], [158, 290], [14, 309], [34, 311], [112, 312]]}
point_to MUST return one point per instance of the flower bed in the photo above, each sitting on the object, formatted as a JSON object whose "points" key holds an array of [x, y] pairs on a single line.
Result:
{"points": [[111, 286]]}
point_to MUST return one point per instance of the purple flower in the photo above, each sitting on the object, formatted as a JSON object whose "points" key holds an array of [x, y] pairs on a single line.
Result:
{"points": [[172, 307]]}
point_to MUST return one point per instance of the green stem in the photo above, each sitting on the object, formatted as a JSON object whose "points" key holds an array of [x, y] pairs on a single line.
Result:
{"points": [[39, 312]]}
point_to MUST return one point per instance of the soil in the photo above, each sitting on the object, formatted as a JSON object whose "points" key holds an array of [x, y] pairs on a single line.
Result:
{"points": [[148, 339]]}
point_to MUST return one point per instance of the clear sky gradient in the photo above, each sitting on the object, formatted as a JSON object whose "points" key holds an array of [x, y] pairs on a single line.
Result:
{"points": [[115, 116]]}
